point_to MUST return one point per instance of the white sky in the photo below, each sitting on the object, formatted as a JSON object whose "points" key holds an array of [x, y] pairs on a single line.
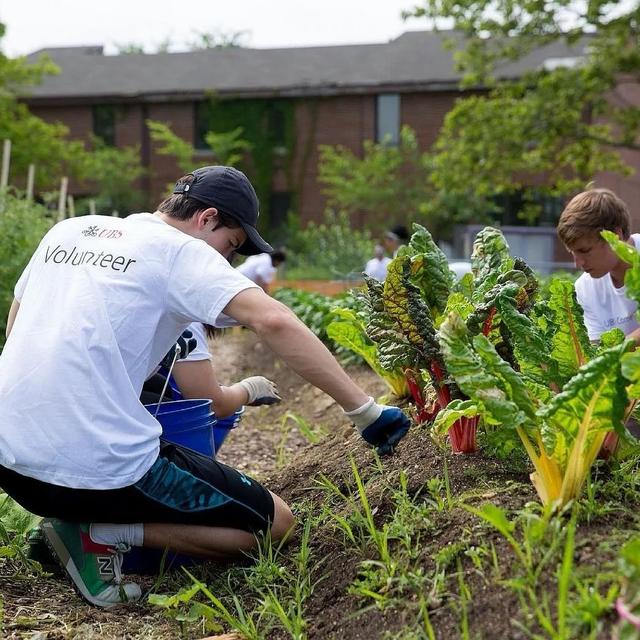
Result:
{"points": [[35, 24]]}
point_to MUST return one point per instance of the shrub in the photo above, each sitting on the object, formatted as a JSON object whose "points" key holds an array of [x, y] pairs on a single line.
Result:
{"points": [[22, 225], [329, 250]]}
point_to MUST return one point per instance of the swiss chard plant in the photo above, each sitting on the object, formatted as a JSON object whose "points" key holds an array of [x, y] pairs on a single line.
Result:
{"points": [[403, 316], [347, 329], [562, 432]]}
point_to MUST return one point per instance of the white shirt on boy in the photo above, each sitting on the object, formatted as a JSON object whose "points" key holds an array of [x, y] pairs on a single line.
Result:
{"points": [[605, 306]]}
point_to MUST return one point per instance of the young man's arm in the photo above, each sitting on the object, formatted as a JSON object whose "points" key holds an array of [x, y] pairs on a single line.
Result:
{"points": [[197, 379], [292, 341], [382, 427], [635, 336]]}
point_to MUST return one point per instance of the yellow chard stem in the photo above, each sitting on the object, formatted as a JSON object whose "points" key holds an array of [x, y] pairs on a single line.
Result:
{"points": [[547, 478], [580, 461]]}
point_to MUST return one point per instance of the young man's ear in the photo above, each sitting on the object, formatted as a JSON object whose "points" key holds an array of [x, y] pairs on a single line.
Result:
{"points": [[618, 232], [207, 218]]}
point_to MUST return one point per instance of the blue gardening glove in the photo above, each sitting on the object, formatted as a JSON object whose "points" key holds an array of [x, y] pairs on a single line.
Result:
{"points": [[185, 345], [381, 426]]}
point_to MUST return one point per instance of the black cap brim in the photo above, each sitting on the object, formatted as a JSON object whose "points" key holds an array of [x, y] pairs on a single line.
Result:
{"points": [[254, 244]]}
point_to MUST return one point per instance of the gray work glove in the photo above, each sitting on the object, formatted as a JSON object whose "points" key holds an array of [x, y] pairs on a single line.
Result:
{"points": [[260, 391]]}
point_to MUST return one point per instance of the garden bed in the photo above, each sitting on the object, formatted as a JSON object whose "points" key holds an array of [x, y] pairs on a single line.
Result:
{"points": [[446, 570]]}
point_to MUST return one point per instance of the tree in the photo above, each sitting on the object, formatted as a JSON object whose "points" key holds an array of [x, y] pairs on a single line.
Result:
{"points": [[227, 147], [216, 40], [22, 225], [46, 145], [202, 41], [33, 140], [113, 172], [554, 127], [387, 182]]}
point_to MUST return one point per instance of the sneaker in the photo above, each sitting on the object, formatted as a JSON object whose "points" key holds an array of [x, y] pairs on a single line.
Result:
{"points": [[38, 550], [95, 569]]}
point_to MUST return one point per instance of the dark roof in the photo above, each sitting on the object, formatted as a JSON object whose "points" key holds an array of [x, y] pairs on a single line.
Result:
{"points": [[416, 59]]}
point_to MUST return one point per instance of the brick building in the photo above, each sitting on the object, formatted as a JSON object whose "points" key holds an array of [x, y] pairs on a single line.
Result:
{"points": [[329, 95]]}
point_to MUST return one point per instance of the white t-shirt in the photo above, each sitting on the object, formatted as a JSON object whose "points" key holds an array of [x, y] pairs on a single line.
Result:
{"points": [[377, 268], [605, 306], [201, 351], [258, 268], [101, 302]]}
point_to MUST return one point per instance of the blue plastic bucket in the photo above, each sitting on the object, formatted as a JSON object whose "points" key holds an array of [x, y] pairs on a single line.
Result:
{"points": [[188, 423], [222, 427]]}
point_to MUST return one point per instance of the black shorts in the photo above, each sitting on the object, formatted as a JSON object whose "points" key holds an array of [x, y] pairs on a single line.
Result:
{"points": [[182, 487]]}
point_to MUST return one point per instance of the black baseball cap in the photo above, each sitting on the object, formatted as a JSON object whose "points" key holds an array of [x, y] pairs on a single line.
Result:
{"points": [[229, 191]]}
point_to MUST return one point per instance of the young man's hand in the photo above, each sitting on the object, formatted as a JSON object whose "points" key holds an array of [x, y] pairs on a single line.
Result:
{"points": [[381, 426], [260, 390]]}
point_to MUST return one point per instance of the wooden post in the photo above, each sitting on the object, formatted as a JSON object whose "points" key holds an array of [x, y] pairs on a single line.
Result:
{"points": [[31, 178], [6, 160], [62, 200], [71, 206], [92, 207]]}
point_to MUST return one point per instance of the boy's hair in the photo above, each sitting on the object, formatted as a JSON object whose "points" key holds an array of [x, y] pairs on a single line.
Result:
{"points": [[278, 256], [588, 213], [181, 207]]}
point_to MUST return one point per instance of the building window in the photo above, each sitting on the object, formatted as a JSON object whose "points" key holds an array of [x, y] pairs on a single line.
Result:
{"points": [[388, 118], [279, 205], [511, 207], [104, 123], [202, 120], [269, 117]]}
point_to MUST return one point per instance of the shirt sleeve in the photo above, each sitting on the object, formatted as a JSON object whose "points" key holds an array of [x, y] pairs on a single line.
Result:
{"points": [[201, 352], [202, 283]]}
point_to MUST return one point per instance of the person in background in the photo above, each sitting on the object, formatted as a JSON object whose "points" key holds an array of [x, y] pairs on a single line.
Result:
{"points": [[76, 444], [194, 377], [600, 289], [394, 238], [262, 268], [377, 266]]}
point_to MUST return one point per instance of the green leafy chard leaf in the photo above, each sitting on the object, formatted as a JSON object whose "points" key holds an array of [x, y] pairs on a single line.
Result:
{"points": [[489, 259], [530, 346], [630, 366], [394, 351], [396, 295], [630, 255], [429, 270], [570, 344], [483, 376], [459, 303], [455, 410], [576, 421], [348, 331], [610, 338]]}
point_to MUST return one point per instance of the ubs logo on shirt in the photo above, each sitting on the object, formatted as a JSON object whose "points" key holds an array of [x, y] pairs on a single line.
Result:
{"points": [[94, 231]]}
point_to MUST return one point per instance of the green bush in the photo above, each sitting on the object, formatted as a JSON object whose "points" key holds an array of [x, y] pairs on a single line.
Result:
{"points": [[316, 311], [22, 225], [329, 250]]}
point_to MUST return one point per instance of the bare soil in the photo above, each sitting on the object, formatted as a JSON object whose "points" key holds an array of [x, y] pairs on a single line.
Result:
{"points": [[40, 607]]}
